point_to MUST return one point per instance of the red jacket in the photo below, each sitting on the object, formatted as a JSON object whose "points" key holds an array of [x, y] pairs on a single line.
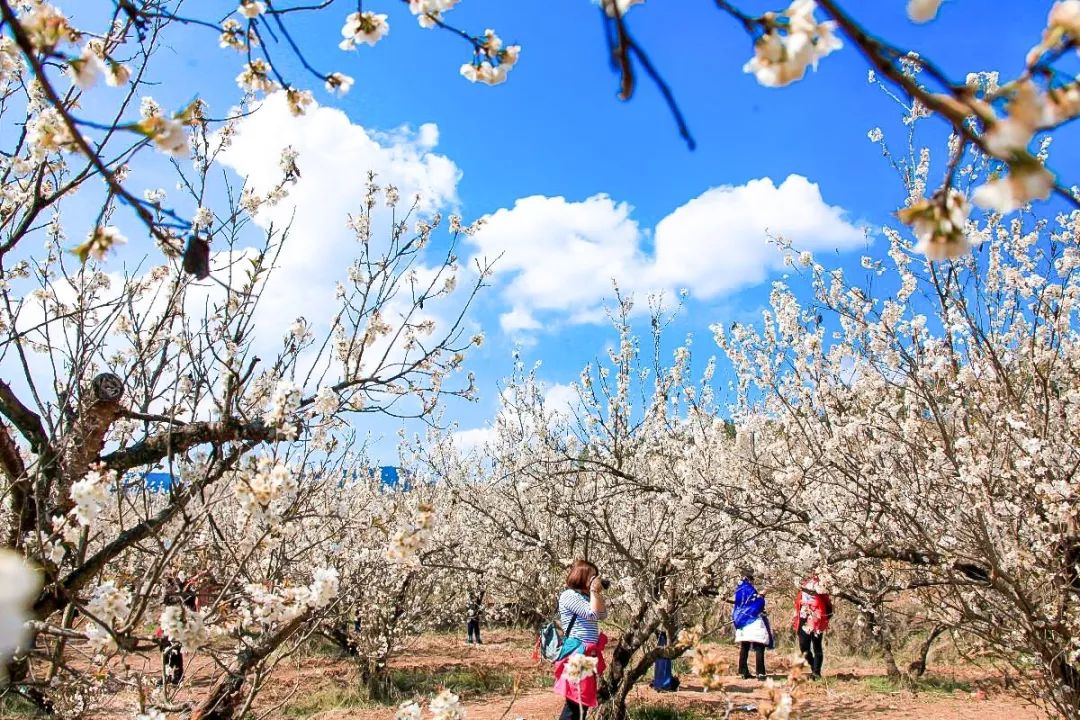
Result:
{"points": [[818, 609]]}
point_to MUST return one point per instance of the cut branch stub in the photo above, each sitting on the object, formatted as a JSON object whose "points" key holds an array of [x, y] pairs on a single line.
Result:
{"points": [[86, 438], [107, 387]]}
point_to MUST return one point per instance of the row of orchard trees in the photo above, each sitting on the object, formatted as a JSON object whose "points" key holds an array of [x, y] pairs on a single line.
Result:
{"points": [[270, 506], [108, 377], [911, 436], [110, 373], [911, 441]]}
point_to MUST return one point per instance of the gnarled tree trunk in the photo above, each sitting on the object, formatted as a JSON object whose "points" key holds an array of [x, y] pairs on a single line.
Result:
{"points": [[224, 697]]}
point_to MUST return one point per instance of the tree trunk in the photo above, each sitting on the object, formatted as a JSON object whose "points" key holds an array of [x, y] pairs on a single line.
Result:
{"points": [[918, 666], [222, 700], [891, 668], [340, 638], [623, 673], [614, 708], [375, 677], [21, 498], [98, 410], [1067, 677]]}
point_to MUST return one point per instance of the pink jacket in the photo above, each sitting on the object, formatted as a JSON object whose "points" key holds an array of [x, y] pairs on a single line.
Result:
{"points": [[584, 692]]}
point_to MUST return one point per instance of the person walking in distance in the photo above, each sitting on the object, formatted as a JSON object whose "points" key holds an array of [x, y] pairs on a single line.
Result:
{"points": [[172, 656], [581, 608], [177, 592], [813, 610], [752, 630], [472, 616]]}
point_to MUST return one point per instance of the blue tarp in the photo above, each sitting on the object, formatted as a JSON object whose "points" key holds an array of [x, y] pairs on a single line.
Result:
{"points": [[389, 476]]}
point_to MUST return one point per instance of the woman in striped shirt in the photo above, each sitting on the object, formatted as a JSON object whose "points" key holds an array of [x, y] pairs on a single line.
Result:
{"points": [[581, 608]]}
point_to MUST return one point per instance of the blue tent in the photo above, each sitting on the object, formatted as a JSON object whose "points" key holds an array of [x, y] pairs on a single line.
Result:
{"points": [[154, 481], [388, 475]]}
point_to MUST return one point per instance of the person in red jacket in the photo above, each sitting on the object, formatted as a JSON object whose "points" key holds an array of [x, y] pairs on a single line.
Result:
{"points": [[813, 609]]}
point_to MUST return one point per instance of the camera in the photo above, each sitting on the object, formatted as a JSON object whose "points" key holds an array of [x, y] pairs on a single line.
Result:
{"points": [[605, 583]]}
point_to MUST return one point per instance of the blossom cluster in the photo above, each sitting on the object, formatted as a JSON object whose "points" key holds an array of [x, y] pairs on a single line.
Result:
{"points": [[266, 490], [407, 543], [18, 587], [579, 666], [183, 625], [492, 62], [446, 706], [940, 225], [792, 42], [109, 603], [284, 403], [429, 12], [263, 607], [363, 28], [90, 495]]}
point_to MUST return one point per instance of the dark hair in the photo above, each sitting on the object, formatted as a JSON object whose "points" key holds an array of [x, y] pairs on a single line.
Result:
{"points": [[580, 575]]}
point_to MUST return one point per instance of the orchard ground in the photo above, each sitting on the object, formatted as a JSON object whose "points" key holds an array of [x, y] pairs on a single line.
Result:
{"points": [[500, 680]]}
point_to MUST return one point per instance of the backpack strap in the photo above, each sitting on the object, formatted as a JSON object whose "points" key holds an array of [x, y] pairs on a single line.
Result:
{"points": [[570, 625]]}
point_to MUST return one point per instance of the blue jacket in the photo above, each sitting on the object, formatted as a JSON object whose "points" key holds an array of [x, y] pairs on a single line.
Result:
{"points": [[748, 605]]}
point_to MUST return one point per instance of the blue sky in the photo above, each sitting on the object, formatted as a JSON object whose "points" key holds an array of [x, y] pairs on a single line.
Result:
{"points": [[556, 130]]}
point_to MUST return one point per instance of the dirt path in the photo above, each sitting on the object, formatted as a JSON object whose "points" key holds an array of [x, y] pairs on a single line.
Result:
{"points": [[849, 691], [834, 703], [845, 694]]}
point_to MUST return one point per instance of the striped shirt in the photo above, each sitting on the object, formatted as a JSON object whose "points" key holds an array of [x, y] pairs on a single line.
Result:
{"points": [[573, 604]]}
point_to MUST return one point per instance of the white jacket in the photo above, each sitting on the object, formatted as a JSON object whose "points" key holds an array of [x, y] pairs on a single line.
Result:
{"points": [[754, 632]]}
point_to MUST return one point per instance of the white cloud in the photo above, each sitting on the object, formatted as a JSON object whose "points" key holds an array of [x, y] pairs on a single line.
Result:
{"points": [[716, 243], [558, 398], [335, 156], [561, 398], [518, 319], [560, 257], [473, 439]]}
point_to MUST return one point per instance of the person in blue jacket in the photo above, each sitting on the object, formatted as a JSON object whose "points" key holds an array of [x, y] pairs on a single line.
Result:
{"points": [[752, 630], [663, 678]]}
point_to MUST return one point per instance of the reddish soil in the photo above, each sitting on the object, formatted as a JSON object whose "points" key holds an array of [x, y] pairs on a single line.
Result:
{"points": [[844, 694]]}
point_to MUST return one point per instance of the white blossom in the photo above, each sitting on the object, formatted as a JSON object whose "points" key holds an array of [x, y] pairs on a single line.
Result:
{"points": [[363, 28], [18, 588], [922, 11]]}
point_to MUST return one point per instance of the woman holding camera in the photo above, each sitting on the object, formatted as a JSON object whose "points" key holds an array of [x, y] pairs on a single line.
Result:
{"points": [[581, 608]]}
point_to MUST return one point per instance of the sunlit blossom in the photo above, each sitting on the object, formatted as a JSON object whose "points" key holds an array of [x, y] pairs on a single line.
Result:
{"points": [[365, 28], [922, 11]]}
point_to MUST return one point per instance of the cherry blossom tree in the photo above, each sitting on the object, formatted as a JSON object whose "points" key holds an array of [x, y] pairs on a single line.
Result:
{"points": [[393, 586], [618, 479], [44, 50], [916, 429], [113, 377]]}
